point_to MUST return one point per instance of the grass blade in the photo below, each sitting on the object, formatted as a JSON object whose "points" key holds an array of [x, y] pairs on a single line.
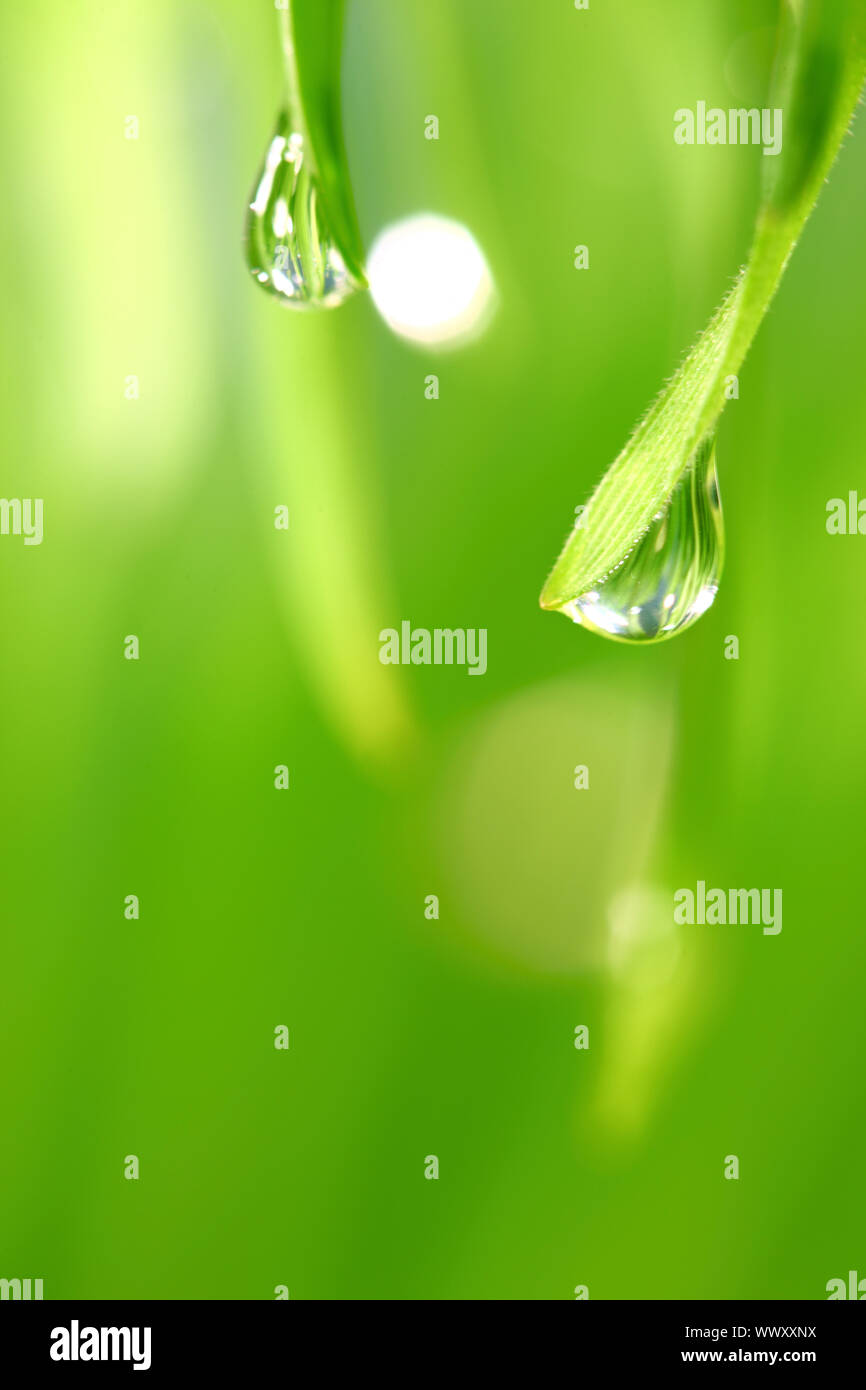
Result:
{"points": [[818, 77]]}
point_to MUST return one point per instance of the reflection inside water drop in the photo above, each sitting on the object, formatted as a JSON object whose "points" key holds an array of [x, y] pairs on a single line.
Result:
{"points": [[672, 575], [289, 247]]}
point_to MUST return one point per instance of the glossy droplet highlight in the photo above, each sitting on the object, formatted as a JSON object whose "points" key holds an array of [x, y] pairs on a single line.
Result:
{"points": [[290, 250], [671, 576]]}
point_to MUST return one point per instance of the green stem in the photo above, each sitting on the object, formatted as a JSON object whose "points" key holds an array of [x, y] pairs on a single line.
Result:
{"points": [[294, 104], [311, 36]]}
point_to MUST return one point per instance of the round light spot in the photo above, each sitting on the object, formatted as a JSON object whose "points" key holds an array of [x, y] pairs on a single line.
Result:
{"points": [[429, 280]]}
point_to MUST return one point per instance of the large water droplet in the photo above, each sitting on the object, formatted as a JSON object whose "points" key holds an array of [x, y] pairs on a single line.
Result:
{"points": [[290, 249], [671, 576]]}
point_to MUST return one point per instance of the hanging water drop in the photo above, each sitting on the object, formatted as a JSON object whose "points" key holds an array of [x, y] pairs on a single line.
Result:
{"points": [[291, 251], [302, 240], [671, 576]]}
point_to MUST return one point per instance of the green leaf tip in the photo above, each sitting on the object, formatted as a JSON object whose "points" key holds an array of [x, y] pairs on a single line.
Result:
{"points": [[818, 78]]}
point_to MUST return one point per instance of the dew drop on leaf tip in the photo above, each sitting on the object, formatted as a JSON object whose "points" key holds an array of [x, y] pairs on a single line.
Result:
{"points": [[671, 576]]}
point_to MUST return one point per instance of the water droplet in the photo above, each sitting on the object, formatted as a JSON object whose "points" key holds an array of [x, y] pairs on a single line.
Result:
{"points": [[671, 576], [290, 250]]}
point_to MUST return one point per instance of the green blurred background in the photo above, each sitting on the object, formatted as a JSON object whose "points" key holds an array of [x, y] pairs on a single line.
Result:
{"points": [[412, 1037]]}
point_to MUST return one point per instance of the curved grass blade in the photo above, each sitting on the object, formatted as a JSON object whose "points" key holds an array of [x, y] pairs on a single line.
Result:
{"points": [[312, 35], [818, 77]]}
